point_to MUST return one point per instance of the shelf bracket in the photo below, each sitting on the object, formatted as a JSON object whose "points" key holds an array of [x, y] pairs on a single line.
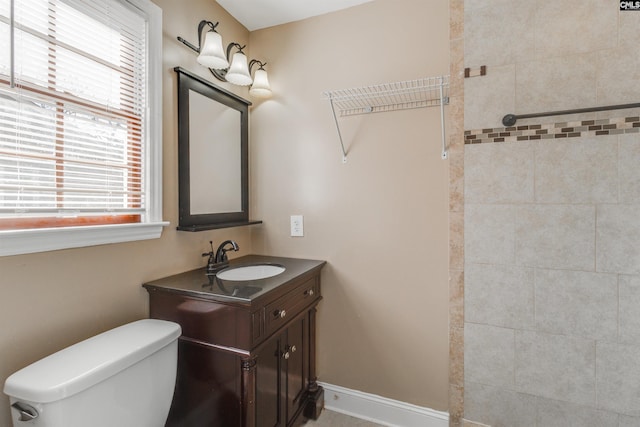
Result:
{"points": [[335, 118], [443, 100]]}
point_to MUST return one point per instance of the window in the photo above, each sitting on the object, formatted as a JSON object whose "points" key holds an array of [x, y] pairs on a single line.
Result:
{"points": [[79, 123]]}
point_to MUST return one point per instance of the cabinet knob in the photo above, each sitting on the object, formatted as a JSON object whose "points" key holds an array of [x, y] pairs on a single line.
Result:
{"points": [[309, 292], [280, 313], [293, 349], [285, 355]]}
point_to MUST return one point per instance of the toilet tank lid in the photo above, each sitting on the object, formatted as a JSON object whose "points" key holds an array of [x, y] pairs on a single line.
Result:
{"points": [[82, 365]]}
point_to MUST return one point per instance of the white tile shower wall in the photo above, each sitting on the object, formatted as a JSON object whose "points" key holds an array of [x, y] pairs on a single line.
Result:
{"points": [[546, 55], [591, 161], [618, 377], [628, 170], [555, 236], [553, 413], [576, 303], [552, 282], [489, 356], [618, 236], [558, 367], [629, 301], [552, 223], [499, 406], [500, 295], [511, 177]]}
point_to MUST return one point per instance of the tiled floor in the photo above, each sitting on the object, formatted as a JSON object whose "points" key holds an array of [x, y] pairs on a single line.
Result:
{"points": [[334, 419]]}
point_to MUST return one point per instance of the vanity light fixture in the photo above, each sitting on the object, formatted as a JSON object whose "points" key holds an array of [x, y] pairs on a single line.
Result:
{"points": [[212, 55]]}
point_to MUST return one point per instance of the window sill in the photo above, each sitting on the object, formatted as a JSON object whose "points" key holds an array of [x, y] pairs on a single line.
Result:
{"points": [[17, 242]]}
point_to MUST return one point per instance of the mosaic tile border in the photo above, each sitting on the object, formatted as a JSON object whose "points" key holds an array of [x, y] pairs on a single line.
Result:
{"points": [[577, 129]]}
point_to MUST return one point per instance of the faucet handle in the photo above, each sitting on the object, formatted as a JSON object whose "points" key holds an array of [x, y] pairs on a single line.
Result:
{"points": [[211, 253], [212, 258]]}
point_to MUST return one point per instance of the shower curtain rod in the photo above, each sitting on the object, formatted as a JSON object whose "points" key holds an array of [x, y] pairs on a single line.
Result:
{"points": [[510, 119]]}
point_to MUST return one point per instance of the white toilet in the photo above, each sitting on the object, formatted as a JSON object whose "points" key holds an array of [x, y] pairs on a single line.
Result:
{"points": [[124, 377]]}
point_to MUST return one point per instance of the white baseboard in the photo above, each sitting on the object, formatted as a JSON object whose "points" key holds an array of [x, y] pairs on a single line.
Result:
{"points": [[380, 410]]}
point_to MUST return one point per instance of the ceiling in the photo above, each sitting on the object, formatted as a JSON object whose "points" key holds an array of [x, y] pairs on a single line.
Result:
{"points": [[257, 14]]}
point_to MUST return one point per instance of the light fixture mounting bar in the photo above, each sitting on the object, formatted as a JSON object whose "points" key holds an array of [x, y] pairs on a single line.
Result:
{"points": [[201, 26], [188, 44]]}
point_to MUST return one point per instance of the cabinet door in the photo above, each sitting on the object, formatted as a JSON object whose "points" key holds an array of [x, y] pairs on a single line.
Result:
{"points": [[296, 366], [269, 384]]}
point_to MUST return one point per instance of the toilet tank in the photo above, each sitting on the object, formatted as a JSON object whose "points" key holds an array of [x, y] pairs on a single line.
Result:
{"points": [[124, 377]]}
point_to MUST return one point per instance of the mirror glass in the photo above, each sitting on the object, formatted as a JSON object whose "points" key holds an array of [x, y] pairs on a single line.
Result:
{"points": [[212, 155]]}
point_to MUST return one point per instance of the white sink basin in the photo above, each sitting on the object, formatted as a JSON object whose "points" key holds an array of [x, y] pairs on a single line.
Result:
{"points": [[250, 272]]}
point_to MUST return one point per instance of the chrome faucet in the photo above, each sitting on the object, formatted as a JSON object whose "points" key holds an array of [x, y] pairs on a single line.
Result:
{"points": [[218, 259]]}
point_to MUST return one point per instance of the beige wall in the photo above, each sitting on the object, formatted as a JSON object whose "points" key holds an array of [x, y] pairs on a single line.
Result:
{"points": [[381, 219], [54, 299]]}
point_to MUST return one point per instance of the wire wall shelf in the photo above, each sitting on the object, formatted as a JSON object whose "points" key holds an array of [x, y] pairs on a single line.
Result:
{"points": [[418, 93], [410, 94]]}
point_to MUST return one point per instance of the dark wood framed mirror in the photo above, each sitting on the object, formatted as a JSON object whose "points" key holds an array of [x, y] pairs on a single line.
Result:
{"points": [[213, 155]]}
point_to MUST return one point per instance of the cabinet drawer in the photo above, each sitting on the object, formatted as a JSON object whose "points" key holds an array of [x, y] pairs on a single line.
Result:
{"points": [[290, 305], [200, 319]]}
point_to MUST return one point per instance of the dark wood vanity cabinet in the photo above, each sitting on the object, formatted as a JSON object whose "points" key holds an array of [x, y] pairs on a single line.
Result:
{"points": [[245, 362]]}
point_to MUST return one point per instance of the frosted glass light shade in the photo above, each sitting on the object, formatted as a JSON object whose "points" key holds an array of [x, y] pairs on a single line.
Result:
{"points": [[212, 53], [238, 73], [260, 87]]}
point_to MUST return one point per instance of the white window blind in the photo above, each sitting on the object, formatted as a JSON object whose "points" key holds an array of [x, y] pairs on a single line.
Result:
{"points": [[73, 113]]}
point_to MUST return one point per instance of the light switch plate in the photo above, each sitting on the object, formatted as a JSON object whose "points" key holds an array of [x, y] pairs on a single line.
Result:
{"points": [[297, 226]]}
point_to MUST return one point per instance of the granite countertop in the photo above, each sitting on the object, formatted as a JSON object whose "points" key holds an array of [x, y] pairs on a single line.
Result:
{"points": [[197, 283]]}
